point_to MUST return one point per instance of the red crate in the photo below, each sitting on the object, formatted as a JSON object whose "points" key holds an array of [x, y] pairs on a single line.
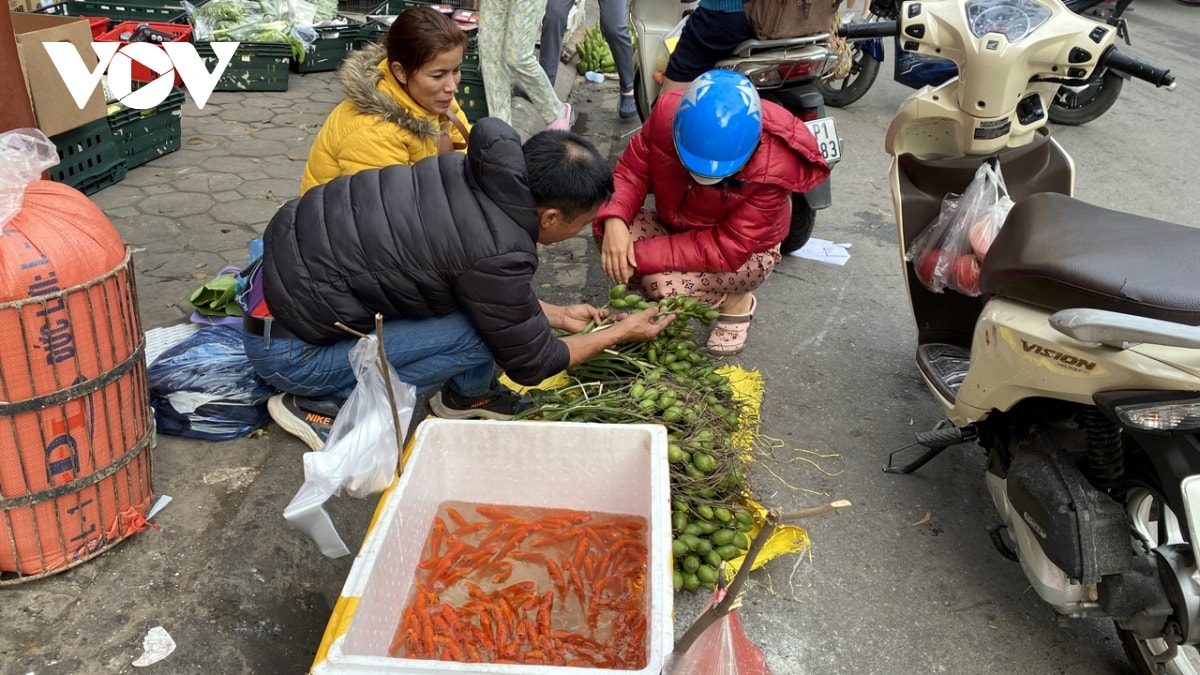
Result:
{"points": [[140, 73], [99, 25]]}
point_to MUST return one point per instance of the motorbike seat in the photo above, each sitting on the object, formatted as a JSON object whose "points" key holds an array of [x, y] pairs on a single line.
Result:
{"points": [[1058, 252]]}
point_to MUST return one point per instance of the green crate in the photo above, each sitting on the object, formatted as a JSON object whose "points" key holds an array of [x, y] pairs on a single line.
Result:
{"points": [[332, 45], [358, 6], [470, 64], [396, 6], [471, 98], [256, 66], [162, 11], [371, 32], [89, 157], [144, 135]]}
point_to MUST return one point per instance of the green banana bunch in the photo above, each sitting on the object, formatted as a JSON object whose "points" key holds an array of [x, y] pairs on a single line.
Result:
{"points": [[594, 53]]}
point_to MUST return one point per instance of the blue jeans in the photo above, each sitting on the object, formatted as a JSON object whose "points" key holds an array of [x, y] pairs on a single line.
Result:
{"points": [[425, 353]]}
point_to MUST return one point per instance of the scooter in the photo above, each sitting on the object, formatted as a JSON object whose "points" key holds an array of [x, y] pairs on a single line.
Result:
{"points": [[1077, 370], [783, 71], [1073, 104]]}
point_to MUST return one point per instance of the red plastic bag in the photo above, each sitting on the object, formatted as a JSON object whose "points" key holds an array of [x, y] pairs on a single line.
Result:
{"points": [[949, 252], [722, 649]]}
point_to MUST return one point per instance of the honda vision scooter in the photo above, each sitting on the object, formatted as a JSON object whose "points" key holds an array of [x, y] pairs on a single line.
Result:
{"points": [[1072, 104], [784, 72], [1078, 368]]}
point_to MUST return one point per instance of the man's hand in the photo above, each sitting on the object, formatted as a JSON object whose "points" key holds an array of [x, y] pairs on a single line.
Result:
{"points": [[575, 318], [616, 251], [637, 327], [645, 325]]}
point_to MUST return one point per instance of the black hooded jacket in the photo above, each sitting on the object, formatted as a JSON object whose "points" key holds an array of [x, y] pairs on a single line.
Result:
{"points": [[449, 233]]}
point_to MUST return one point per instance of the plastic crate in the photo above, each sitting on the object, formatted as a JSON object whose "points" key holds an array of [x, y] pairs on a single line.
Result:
{"points": [[144, 135], [332, 45], [256, 66], [98, 24], [89, 157], [530, 464], [470, 64], [140, 73], [358, 6], [375, 28], [471, 97], [371, 32], [392, 7], [163, 11]]}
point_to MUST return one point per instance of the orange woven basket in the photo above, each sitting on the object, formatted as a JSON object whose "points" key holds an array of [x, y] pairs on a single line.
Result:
{"points": [[75, 422]]}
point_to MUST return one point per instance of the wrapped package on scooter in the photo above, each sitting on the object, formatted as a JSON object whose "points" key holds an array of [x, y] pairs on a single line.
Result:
{"points": [[949, 252]]}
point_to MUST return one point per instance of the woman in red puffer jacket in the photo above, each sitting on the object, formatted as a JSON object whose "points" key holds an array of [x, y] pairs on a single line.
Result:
{"points": [[722, 165]]}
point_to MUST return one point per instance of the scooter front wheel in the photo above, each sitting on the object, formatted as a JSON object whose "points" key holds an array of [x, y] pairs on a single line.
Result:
{"points": [[1074, 108], [1154, 524]]}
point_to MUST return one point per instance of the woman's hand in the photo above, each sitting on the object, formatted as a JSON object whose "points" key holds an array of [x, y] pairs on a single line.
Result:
{"points": [[616, 251], [575, 318]]}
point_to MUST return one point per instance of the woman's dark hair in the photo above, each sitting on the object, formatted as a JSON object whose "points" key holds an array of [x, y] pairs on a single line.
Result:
{"points": [[419, 34], [566, 172]]}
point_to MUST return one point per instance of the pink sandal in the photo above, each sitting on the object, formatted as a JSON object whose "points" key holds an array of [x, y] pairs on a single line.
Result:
{"points": [[728, 337]]}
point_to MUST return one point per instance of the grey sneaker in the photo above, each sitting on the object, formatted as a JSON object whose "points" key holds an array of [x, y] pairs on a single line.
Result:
{"points": [[306, 419]]}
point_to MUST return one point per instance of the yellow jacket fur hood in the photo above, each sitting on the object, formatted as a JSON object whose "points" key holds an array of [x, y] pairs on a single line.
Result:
{"points": [[377, 125]]}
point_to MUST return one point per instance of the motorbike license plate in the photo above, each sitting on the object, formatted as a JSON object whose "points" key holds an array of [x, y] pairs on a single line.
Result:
{"points": [[827, 139]]}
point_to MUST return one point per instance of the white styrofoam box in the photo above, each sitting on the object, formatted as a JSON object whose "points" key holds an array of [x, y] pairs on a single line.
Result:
{"points": [[607, 468]]}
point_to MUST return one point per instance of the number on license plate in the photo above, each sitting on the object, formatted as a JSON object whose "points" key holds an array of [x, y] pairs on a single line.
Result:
{"points": [[827, 139]]}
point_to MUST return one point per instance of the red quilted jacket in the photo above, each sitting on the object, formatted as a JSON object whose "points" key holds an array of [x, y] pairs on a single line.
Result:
{"points": [[714, 228]]}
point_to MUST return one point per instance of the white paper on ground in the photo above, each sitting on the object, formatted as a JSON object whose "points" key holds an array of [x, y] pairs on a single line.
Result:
{"points": [[163, 500], [156, 646], [823, 250]]}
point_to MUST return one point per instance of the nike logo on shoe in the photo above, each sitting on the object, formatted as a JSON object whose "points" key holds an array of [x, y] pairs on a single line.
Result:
{"points": [[314, 418]]}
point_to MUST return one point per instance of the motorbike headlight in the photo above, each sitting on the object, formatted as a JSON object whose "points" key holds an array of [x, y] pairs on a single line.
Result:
{"points": [[1161, 416]]}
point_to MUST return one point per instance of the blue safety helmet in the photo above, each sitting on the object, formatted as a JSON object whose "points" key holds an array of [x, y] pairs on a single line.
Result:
{"points": [[717, 125]]}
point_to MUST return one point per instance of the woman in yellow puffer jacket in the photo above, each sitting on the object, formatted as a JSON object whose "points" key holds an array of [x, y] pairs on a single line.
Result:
{"points": [[400, 106]]}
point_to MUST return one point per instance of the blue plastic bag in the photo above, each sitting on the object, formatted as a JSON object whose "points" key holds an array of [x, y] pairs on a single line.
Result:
{"points": [[205, 387]]}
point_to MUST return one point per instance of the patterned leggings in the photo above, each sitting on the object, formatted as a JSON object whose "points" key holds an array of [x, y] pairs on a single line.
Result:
{"points": [[711, 287], [508, 30]]}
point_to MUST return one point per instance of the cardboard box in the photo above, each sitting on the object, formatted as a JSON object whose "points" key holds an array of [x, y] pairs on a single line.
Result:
{"points": [[53, 106], [600, 468]]}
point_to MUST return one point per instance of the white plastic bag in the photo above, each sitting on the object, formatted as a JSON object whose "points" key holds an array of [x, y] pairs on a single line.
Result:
{"points": [[361, 453], [949, 252], [24, 155]]}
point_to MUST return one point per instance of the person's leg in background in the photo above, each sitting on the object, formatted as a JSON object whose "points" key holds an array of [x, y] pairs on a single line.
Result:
{"points": [[708, 36], [522, 23], [554, 25], [614, 24], [497, 80]]}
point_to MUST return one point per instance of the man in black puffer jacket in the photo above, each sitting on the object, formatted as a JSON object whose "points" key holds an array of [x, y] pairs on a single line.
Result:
{"points": [[445, 250]]}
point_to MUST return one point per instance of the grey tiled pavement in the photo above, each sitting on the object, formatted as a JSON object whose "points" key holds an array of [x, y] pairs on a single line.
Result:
{"points": [[237, 588]]}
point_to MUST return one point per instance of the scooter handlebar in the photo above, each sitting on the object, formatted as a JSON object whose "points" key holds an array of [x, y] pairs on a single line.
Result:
{"points": [[1135, 67], [867, 31]]}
